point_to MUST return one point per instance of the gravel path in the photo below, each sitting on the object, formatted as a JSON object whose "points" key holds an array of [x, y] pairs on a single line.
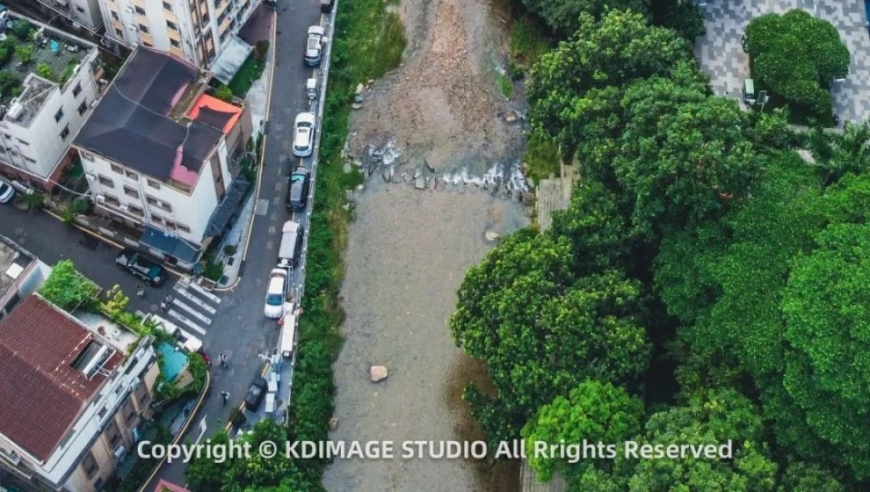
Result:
{"points": [[407, 254]]}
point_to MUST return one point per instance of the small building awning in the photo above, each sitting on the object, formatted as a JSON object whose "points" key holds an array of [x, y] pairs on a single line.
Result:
{"points": [[231, 59], [170, 245], [224, 213]]}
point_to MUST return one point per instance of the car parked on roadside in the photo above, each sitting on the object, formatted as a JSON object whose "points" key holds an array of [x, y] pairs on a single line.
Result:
{"points": [[314, 46], [303, 135], [297, 192], [256, 393], [135, 263], [7, 192], [275, 295]]}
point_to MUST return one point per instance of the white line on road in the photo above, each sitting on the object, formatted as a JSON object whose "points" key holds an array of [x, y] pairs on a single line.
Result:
{"points": [[193, 312], [196, 300], [169, 325], [204, 293], [180, 317]]}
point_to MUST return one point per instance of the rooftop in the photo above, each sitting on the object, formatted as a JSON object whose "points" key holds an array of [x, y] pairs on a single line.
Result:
{"points": [[144, 121], [13, 263], [118, 336], [45, 359], [34, 59]]}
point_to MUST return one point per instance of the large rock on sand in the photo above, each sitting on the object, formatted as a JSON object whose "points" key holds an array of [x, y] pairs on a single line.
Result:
{"points": [[378, 373]]}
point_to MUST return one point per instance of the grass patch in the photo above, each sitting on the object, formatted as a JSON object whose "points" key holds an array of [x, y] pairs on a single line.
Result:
{"points": [[504, 84], [530, 39], [542, 158], [250, 71]]}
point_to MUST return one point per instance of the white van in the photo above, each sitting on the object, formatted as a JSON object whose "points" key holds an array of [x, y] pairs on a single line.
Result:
{"points": [[291, 244], [288, 334]]}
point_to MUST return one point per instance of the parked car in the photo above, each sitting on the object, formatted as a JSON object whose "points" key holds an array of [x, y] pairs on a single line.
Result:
{"points": [[7, 192], [274, 308], [303, 135], [314, 46], [297, 192], [138, 265], [255, 395]]}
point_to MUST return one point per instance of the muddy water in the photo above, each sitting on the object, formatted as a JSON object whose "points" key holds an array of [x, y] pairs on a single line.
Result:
{"points": [[407, 254]]}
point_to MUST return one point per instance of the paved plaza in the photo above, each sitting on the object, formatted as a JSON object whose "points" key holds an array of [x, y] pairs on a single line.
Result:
{"points": [[722, 58]]}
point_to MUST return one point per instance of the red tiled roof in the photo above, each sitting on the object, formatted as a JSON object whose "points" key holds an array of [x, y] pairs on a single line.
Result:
{"points": [[164, 486], [41, 394]]}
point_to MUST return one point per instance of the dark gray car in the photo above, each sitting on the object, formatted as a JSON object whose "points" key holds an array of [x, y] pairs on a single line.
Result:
{"points": [[297, 191]]}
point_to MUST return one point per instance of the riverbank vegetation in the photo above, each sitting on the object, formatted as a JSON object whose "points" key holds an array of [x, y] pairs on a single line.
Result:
{"points": [[707, 283]]}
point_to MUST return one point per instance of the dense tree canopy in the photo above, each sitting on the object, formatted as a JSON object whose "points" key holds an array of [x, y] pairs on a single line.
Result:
{"points": [[563, 15], [797, 56]]}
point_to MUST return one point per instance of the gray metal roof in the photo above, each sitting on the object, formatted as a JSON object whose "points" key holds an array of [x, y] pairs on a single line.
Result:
{"points": [[131, 124]]}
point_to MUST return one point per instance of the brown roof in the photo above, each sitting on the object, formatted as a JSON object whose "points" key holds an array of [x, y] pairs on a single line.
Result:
{"points": [[41, 394]]}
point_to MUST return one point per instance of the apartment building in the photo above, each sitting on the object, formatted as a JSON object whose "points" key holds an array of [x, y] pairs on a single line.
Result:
{"points": [[55, 72], [21, 273], [196, 30], [164, 158], [71, 397], [86, 13]]}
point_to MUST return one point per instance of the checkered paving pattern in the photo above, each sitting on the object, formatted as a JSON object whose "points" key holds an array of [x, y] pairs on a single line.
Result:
{"points": [[723, 59]]}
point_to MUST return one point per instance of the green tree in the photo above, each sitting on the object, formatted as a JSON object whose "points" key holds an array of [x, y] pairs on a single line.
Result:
{"points": [[69, 289], [838, 153], [683, 16], [24, 52], [563, 15], [44, 71], [540, 331], [223, 93], [827, 312], [257, 470], [710, 417], [593, 412], [204, 473], [618, 49], [797, 56], [312, 403], [806, 477], [116, 302]]}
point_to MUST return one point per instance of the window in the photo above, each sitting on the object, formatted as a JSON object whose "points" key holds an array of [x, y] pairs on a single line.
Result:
{"points": [[116, 169], [129, 410], [131, 192], [132, 175], [171, 25], [81, 10], [147, 44], [140, 11], [101, 413], [170, 225], [107, 182], [24, 142], [110, 200], [143, 28], [167, 6], [119, 32], [116, 16], [77, 90], [113, 434], [8, 136], [158, 203], [58, 115], [98, 483], [28, 159], [157, 219], [174, 43], [137, 211], [89, 465], [182, 227], [65, 132], [142, 394], [83, 107], [154, 184]]}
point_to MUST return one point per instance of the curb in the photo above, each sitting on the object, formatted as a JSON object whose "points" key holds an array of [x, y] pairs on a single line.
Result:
{"points": [[205, 386]]}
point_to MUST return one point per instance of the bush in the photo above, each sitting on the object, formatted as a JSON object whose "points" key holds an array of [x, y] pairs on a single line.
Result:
{"points": [[230, 249], [44, 71], [24, 53], [22, 30], [68, 289], [223, 93]]}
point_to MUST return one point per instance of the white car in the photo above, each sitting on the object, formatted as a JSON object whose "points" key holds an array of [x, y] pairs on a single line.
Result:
{"points": [[7, 192], [314, 46], [275, 296], [303, 135]]}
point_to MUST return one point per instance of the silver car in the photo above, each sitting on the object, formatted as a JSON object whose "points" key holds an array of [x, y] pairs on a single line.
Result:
{"points": [[314, 46]]}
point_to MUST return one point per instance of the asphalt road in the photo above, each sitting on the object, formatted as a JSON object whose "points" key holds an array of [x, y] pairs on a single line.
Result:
{"points": [[236, 325]]}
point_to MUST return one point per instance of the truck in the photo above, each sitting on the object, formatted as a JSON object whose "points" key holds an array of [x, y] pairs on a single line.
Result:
{"points": [[291, 244], [288, 334]]}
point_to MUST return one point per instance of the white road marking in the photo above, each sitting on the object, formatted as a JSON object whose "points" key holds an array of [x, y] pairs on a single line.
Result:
{"points": [[193, 312], [180, 317], [204, 293], [169, 325], [196, 300]]}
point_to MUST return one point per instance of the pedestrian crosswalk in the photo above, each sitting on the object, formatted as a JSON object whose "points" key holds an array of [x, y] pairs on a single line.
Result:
{"points": [[190, 308]]}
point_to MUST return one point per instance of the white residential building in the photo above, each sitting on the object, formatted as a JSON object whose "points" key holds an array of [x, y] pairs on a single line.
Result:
{"points": [[83, 12], [196, 30], [37, 126], [163, 157], [71, 397], [21, 273]]}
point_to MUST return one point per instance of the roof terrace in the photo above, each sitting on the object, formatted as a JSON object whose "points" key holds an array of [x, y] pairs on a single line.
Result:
{"points": [[13, 263], [34, 59]]}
